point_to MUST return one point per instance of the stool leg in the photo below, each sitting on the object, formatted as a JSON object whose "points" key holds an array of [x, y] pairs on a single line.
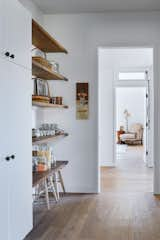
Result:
{"points": [[61, 181], [46, 193], [53, 188], [56, 185]]}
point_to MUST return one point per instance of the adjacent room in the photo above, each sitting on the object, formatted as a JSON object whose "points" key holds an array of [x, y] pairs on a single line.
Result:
{"points": [[80, 120], [130, 121]]}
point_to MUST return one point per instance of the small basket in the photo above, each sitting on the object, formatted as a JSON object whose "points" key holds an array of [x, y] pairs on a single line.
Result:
{"points": [[41, 99], [43, 62]]}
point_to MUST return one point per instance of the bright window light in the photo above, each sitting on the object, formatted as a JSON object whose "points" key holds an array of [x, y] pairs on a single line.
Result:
{"points": [[131, 76]]}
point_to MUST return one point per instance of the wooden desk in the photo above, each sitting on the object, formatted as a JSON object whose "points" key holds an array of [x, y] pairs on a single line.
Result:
{"points": [[40, 176]]}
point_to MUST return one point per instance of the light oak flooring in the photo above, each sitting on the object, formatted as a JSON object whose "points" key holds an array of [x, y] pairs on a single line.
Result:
{"points": [[130, 175], [125, 210]]}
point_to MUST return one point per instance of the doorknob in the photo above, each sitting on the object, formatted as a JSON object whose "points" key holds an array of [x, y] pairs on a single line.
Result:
{"points": [[7, 158], [12, 56], [7, 54]]}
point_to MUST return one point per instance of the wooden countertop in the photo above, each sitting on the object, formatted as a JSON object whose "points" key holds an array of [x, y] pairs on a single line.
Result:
{"points": [[39, 176]]}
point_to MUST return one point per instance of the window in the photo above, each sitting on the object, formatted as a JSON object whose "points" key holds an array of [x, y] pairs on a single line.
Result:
{"points": [[132, 76]]}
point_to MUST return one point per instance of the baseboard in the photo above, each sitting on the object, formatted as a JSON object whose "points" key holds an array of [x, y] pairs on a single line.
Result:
{"points": [[78, 193], [111, 164], [81, 190]]}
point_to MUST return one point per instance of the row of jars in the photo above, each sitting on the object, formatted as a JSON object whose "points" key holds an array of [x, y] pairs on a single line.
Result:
{"points": [[47, 129], [43, 157]]}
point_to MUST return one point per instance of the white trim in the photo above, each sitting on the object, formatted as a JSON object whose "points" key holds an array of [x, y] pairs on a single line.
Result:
{"points": [[131, 79], [98, 133], [156, 134], [109, 164]]}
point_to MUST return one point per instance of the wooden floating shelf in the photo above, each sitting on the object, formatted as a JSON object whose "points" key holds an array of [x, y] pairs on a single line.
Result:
{"points": [[47, 105], [44, 41], [43, 72], [47, 139]]}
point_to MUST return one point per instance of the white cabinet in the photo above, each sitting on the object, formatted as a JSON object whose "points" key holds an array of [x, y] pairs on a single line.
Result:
{"points": [[4, 165], [3, 27], [15, 25], [15, 122], [20, 168], [16, 172]]}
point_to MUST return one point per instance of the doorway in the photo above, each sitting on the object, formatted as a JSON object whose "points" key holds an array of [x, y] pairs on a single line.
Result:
{"points": [[126, 75]]}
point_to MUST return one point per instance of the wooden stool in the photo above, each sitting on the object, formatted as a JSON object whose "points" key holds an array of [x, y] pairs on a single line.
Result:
{"points": [[44, 188], [48, 181]]}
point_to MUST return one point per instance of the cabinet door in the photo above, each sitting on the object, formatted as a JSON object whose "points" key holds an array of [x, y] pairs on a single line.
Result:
{"points": [[20, 137], [16, 139], [18, 35], [3, 27], [4, 151]]}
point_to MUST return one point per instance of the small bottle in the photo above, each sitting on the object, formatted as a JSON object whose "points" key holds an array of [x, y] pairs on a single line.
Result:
{"points": [[53, 159]]}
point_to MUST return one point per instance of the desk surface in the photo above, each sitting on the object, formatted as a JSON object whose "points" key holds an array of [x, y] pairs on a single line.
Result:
{"points": [[39, 176]]}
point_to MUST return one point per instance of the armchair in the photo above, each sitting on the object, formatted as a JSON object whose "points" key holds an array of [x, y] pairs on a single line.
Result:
{"points": [[134, 136]]}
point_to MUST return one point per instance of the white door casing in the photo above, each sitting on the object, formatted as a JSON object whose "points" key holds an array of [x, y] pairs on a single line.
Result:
{"points": [[149, 88]]}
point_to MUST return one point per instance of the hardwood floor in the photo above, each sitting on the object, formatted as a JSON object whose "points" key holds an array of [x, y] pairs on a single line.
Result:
{"points": [[125, 210], [130, 175]]}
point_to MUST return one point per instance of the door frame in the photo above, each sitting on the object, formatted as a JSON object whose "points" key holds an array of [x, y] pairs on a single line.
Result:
{"points": [[155, 114]]}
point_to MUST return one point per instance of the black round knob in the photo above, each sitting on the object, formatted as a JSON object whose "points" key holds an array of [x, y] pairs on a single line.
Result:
{"points": [[12, 56], [7, 158], [7, 54], [13, 156]]}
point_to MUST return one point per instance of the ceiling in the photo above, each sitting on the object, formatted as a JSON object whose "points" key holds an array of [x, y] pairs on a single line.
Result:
{"points": [[95, 6]]}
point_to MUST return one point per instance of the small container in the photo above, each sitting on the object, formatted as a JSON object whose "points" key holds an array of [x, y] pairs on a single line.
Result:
{"points": [[53, 160], [41, 132], [53, 100], [35, 133], [53, 132], [55, 67], [59, 100], [41, 167]]}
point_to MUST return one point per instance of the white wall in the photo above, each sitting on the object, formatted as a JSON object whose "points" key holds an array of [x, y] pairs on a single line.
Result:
{"points": [[82, 34], [38, 16], [132, 99], [35, 11], [119, 59], [106, 116], [111, 61]]}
